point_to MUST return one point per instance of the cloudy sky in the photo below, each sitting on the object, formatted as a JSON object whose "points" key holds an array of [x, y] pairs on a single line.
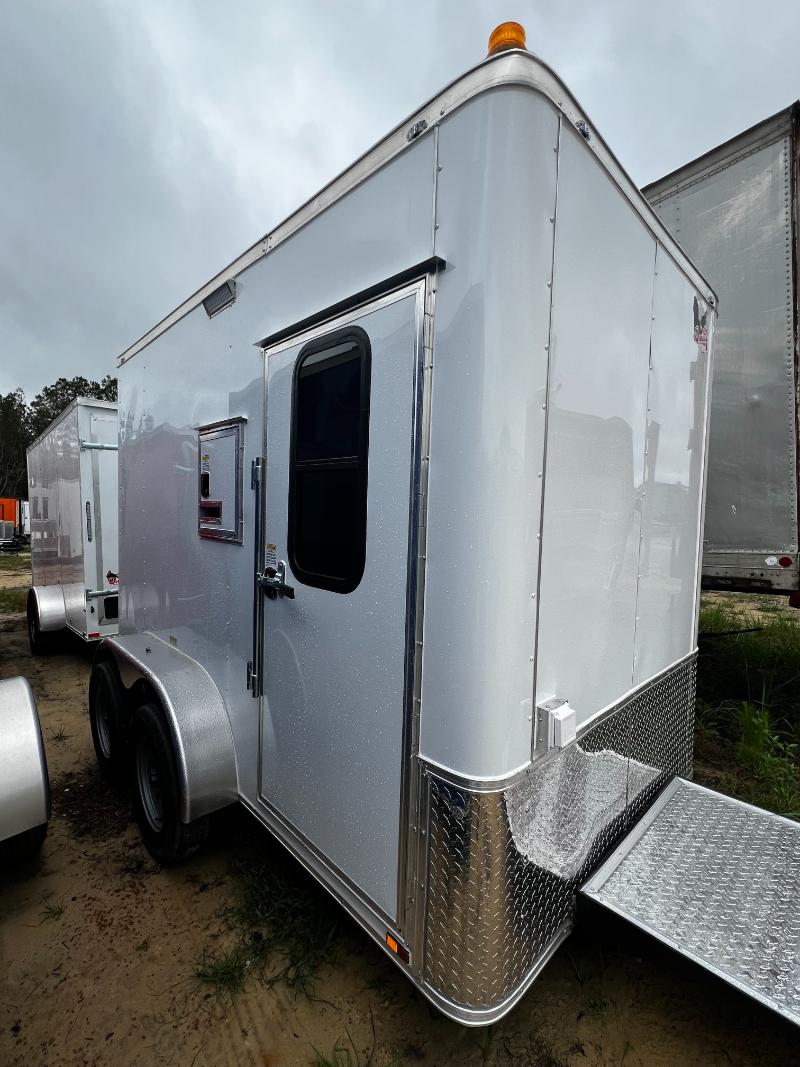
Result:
{"points": [[144, 144]]}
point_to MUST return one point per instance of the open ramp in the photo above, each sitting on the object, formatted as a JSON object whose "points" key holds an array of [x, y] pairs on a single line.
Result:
{"points": [[719, 881]]}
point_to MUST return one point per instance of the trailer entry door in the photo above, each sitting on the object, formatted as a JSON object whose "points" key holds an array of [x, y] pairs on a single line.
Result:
{"points": [[719, 881], [341, 403]]}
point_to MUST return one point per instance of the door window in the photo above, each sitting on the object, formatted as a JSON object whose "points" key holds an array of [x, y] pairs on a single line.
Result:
{"points": [[327, 535]]}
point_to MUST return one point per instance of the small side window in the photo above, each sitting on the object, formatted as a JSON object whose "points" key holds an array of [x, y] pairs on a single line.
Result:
{"points": [[219, 505], [327, 536]]}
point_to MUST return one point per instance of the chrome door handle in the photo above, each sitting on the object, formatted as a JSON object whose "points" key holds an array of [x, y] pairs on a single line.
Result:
{"points": [[273, 582]]}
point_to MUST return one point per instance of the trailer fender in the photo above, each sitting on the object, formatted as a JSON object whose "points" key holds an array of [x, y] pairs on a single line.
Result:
{"points": [[24, 784], [195, 714], [50, 606]]}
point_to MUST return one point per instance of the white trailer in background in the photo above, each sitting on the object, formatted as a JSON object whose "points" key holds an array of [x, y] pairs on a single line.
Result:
{"points": [[72, 493], [734, 211], [428, 461]]}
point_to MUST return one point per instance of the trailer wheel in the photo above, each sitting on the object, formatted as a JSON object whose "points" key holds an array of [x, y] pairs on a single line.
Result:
{"points": [[40, 642], [157, 794], [106, 701]]}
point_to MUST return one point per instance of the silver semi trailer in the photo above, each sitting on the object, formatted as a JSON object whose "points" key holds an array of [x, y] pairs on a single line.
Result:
{"points": [[72, 492], [428, 460], [734, 212]]}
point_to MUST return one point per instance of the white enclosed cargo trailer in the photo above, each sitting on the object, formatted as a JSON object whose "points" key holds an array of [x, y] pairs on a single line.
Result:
{"points": [[72, 492], [734, 211], [429, 462]]}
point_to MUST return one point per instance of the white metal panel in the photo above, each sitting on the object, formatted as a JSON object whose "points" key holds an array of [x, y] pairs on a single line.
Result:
{"points": [[495, 201], [600, 342], [381, 228], [673, 472], [332, 727], [196, 593]]}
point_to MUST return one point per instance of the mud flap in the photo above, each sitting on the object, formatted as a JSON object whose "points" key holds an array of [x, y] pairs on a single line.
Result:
{"points": [[718, 881]]}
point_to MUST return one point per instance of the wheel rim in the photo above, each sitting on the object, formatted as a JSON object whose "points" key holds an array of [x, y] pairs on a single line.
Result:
{"points": [[101, 719], [149, 783]]}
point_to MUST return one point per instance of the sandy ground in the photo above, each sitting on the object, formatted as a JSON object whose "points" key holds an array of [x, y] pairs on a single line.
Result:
{"points": [[98, 949]]}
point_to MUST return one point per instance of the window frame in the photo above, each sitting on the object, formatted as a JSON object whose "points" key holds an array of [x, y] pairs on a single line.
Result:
{"points": [[319, 344]]}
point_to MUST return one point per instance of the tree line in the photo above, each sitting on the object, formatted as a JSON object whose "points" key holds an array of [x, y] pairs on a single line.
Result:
{"points": [[22, 422]]}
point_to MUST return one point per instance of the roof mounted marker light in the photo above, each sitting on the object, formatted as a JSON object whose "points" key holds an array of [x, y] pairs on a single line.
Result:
{"points": [[506, 35]]}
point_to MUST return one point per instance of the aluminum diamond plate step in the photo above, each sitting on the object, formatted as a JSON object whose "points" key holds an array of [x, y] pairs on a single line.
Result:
{"points": [[719, 881]]}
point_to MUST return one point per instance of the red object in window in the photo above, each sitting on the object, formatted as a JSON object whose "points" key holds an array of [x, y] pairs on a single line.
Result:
{"points": [[785, 561]]}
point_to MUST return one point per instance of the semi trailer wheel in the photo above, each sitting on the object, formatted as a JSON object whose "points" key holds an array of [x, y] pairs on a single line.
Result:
{"points": [[106, 701], [156, 791], [40, 642]]}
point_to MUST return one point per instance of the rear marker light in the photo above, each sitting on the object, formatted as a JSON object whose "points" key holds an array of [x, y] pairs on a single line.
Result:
{"points": [[394, 946], [785, 561], [93, 635]]}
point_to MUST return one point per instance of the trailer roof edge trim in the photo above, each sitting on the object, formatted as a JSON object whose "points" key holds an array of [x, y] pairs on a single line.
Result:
{"points": [[79, 401], [512, 67], [741, 144]]}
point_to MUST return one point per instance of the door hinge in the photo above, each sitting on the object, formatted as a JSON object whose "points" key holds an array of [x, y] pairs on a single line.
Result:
{"points": [[252, 677], [255, 473]]}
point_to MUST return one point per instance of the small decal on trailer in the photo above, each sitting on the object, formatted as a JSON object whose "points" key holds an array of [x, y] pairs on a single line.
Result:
{"points": [[700, 327], [271, 556]]}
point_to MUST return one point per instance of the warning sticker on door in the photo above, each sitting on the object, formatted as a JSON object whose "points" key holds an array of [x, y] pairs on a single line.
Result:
{"points": [[271, 556]]}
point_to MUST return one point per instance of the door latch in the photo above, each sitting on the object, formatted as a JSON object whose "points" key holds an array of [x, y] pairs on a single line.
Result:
{"points": [[273, 582]]}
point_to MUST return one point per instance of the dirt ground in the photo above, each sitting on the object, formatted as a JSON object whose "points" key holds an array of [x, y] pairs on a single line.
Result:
{"points": [[99, 949]]}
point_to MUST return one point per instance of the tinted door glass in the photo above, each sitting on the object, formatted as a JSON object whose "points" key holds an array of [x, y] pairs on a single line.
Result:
{"points": [[328, 465]]}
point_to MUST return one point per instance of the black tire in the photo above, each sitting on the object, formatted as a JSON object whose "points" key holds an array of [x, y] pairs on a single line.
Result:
{"points": [[41, 643], [107, 720], [25, 846], [156, 793]]}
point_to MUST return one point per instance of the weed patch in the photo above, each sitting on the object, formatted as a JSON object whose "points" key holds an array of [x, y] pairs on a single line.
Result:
{"points": [[14, 600], [15, 563], [282, 927], [748, 703]]}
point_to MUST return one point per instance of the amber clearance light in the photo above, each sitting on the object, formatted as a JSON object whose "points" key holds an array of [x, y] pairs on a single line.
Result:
{"points": [[506, 35]]}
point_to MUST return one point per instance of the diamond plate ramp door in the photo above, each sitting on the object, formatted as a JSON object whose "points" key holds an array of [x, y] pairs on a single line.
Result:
{"points": [[719, 881]]}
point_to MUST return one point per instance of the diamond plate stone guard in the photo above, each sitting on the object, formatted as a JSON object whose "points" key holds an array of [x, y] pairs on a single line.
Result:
{"points": [[503, 867]]}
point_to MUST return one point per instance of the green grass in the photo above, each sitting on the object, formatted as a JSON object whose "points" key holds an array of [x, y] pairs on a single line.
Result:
{"points": [[13, 600], [15, 562], [748, 702], [282, 927], [51, 911]]}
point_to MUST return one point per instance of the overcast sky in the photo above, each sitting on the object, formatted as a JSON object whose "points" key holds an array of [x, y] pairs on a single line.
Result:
{"points": [[143, 145]]}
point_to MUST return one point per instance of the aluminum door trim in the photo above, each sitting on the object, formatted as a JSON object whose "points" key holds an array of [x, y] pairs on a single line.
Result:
{"points": [[328, 325]]}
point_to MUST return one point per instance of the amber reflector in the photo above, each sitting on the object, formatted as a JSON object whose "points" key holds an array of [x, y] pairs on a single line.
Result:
{"points": [[507, 35]]}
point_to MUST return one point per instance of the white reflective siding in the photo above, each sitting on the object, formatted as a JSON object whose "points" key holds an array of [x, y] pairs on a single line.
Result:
{"points": [[602, 299], [199, 592], [495, 201], [672, 481]]}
